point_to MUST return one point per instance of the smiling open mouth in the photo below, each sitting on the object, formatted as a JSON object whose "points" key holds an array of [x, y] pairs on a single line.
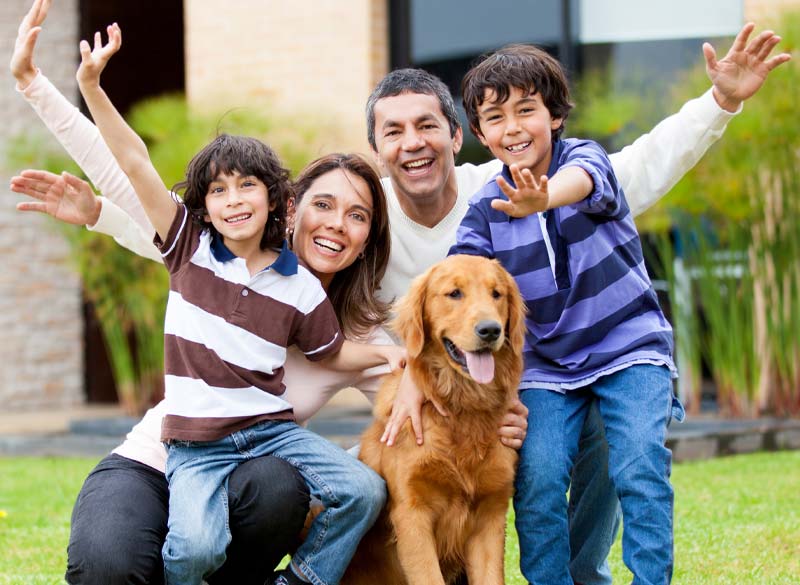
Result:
{"points": [[418, 166], [239, 218], [478, 364], [328, 244], [518, 147]]}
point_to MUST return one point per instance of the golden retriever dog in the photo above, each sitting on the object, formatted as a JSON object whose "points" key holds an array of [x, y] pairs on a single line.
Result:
{"points": [[463, 325]]}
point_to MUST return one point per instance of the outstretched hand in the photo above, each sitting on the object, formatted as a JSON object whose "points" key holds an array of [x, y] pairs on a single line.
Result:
{"points": [[64, 197], [94, 60], [742, 72], [529, 196], [21, 65]]}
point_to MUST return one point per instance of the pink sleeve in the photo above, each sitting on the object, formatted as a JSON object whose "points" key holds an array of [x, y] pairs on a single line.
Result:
{"points": [[82, 141]]}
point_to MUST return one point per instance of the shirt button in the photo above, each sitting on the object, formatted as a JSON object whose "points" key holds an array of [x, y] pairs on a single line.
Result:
{"points": [[245, 292]]}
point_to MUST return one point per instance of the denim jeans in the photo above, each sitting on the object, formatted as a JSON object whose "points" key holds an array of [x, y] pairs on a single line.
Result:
{"points": [[593, 513], [353, 496], [635, 405]]}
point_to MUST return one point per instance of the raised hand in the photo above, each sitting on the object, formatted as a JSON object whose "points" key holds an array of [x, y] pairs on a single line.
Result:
{"points": [[64, 197], [742, 72], [94, 60], [21, 65], [529, 196]]}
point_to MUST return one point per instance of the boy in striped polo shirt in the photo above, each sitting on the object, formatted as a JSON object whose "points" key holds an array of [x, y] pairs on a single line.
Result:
{"points": [[237, 300], [556, 218]]}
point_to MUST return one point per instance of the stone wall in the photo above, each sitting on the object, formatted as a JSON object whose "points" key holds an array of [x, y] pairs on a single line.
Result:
{"points": [[41, 323]]}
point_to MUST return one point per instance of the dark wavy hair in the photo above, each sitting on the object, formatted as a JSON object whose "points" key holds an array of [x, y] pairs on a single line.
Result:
{"points": [[247, 156], [352, 290], [529, 69]]}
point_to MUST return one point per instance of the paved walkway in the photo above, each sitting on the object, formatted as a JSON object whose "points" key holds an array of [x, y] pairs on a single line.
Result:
{"points": [[93, 431]]}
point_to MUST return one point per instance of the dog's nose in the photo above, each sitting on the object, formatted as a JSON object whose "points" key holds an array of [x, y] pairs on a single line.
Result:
{"points": [[488, 330]]}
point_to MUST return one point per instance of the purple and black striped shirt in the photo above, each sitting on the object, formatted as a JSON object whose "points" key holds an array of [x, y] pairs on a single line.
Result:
{"points": [[591, 307]]}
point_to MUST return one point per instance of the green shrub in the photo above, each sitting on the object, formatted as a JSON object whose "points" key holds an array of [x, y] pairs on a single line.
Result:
{"points": [[129, 292]]}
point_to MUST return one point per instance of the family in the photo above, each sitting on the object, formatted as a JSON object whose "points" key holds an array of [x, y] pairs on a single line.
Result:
{"points": [[280, 290]]}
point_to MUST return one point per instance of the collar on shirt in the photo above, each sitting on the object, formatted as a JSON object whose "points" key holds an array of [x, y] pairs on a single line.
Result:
{"points": [[285, 264]]}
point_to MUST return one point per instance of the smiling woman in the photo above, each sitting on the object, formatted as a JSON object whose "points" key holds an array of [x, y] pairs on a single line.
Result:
{"points": [[342, 233], [120, 517]]}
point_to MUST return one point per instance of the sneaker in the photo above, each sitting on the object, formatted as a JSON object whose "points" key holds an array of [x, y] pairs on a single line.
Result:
{"points": [[287, 577]]}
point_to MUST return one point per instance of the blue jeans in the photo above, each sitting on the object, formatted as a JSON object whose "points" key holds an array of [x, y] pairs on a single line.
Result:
{"points": [[198, 530], [593, 512], [635, 405]]}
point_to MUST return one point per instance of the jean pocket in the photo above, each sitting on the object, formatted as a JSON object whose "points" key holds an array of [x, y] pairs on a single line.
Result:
{"points": [[677, 411]]}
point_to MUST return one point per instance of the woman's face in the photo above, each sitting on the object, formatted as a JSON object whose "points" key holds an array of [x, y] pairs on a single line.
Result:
{"points": [[332, 223]]}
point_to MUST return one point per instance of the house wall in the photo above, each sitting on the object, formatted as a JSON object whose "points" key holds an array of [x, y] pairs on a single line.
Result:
{"points": [[41, 352], [315, 58]]}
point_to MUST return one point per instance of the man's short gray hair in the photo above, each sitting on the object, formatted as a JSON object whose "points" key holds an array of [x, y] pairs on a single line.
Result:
{"points": [[402, 81]]}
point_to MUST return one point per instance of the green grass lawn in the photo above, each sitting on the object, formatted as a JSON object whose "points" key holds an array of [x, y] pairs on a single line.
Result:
{"points": [[737, 520]]}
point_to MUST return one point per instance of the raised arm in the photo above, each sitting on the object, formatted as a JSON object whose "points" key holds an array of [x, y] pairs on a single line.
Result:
{"points": [[651, 166], [128, 149], [70, 199], [79, 137]]}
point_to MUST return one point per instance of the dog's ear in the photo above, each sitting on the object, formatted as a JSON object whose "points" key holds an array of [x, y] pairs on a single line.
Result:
{"points": [[516, 310], [409, 321]]}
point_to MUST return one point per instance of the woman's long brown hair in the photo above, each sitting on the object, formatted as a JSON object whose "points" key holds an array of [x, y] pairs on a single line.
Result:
{"points": [[352, 290]]}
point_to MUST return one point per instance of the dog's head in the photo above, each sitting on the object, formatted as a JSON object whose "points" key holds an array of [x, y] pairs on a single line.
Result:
{"points": [[466, 308]]}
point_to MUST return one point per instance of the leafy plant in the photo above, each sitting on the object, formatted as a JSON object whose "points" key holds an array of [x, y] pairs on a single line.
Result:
{"points": [[129, 292], [738, 216]]}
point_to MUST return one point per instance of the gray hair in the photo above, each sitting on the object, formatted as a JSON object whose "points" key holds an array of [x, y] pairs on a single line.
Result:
{"points": [[402, 81]]}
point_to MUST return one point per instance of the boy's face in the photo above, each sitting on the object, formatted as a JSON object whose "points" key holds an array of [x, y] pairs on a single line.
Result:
{"points": [[414, 145], [519, 130], [238, 207]]}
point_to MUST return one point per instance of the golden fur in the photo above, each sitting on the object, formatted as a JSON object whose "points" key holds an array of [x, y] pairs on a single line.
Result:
{"points": [[448, 498]]}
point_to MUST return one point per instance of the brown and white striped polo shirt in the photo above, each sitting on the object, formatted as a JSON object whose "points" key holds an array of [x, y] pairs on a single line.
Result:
{"points": [[226, 333]]}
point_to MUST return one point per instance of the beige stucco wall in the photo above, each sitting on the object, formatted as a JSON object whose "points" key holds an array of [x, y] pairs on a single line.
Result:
{"points": [[767, 10], [312, 58], [41, 353]]}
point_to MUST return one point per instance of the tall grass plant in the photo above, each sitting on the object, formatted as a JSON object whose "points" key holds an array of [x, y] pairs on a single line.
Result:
{"points": [[736, 277]]}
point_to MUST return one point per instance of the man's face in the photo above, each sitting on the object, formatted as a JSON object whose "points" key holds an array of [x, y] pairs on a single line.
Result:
{"points": [[414, 146]]}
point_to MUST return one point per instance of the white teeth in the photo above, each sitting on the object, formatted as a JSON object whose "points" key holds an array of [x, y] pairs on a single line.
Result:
{"points": [[328, 244], [238, 218], [518, 147], [418, 163]]}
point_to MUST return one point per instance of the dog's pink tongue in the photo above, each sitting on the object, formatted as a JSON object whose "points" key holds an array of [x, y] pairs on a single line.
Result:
{"points": [[480, 366]]}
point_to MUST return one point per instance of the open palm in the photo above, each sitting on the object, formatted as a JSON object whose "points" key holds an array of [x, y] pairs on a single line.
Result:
{"points": [[94, 60], [21, 64], [64, 197], [742, 71]]}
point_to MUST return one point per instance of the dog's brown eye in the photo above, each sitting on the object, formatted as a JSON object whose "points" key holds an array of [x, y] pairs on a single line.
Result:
{"points": [[496, 294], [454, 294]]}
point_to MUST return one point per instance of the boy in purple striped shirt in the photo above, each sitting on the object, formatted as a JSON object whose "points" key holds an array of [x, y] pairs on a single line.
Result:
{"points": [[558, 221]]}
